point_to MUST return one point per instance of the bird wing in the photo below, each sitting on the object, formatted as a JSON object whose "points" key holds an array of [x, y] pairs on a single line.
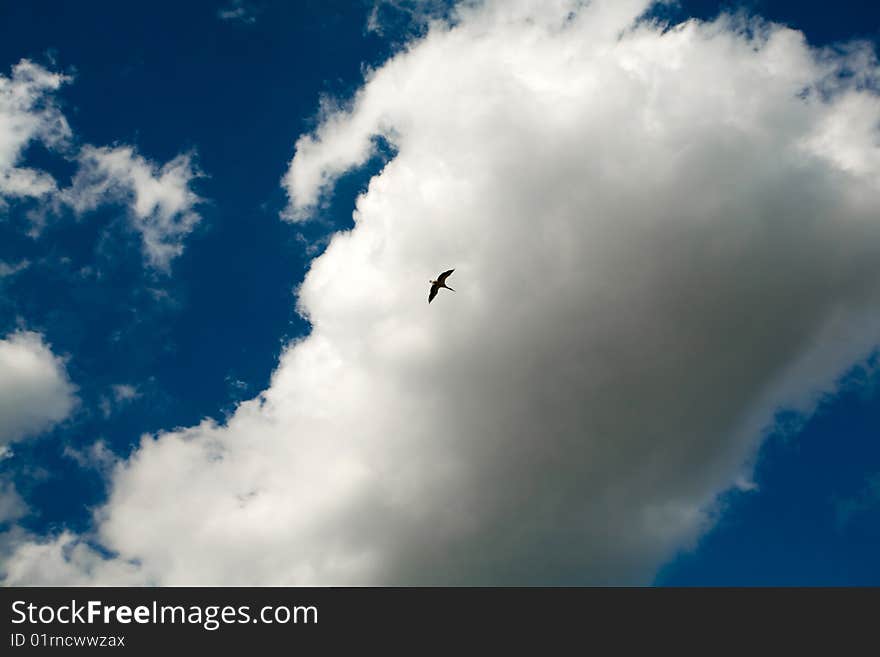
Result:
{"points": [[433, 293], [442, 278]]}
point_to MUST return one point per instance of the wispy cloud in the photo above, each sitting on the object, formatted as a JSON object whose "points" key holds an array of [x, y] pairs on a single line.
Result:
{"points": [[160, 199], [120, 395], [239, 11], [28, 113], [7, 269], [849, 509], [406, 16], [12, 506], [96, 456], [159, 196]]}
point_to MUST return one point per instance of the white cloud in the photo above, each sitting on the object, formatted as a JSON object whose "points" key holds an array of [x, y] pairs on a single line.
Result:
{"points": [[97, 456], [120, 395], [123, 392], [658, 239], [397, 14], [159, 198], [7, 269], [35, 392], [66, 560], [28, 114], [12, 507], [238, 11]]}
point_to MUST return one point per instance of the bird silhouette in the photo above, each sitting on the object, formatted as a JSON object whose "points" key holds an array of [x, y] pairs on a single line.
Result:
{"points": [[440, 282]]}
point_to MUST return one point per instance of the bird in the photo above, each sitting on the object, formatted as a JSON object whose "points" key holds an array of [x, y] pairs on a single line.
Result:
{"points": [[440, 282]]}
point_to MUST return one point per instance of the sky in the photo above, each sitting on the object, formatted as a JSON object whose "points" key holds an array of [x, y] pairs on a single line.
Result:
{"points": [[218, 221]]}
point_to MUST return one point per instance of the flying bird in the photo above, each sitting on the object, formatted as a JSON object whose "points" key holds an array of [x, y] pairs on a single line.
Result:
{"points": [[440, 282]]}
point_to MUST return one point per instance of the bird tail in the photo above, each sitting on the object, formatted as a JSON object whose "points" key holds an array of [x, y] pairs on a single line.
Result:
{"points": [[449, 288]]}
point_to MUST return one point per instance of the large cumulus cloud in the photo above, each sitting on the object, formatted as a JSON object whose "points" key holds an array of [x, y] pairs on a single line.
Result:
{"points": [[660, 237]]}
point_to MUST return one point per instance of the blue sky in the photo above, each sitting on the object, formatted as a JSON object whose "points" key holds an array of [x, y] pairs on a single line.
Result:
{"points": [[234, 85], [225, 95]]}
